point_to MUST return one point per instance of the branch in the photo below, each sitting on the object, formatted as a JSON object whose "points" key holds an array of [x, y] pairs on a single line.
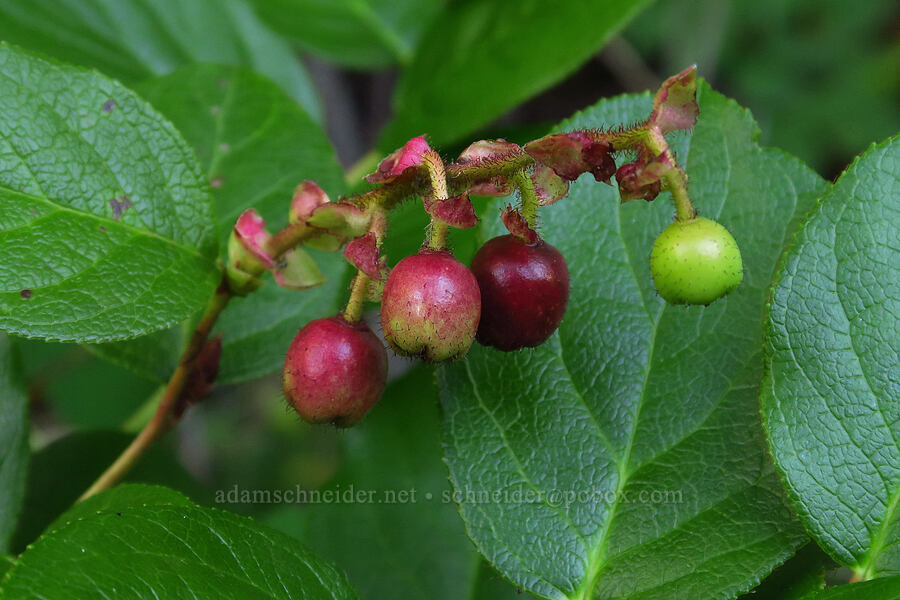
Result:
{"points": [[170, 406]]}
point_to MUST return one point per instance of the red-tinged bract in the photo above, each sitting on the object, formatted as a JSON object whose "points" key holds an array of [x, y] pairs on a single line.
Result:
{"points": [[334, 372], [524, 292], [430, 307]]}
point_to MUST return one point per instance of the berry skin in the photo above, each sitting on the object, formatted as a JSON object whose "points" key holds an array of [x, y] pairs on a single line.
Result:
{"points": [[430, 307], [524, 292], [695, 262], [334, 372]]}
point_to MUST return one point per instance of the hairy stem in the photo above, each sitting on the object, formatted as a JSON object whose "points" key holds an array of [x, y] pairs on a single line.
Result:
{"points": [[358, 291], [529, 197], [675, 179], [437, 234], [168, 412], [437, 184]]}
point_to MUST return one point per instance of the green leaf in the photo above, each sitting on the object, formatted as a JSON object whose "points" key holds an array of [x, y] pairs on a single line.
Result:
{"points": [[132, 40], [107, 230], [399, 535], [255, 145], [483, 57], [63, 470], [63, 378], [880, 589], [627, 450], [122, 497], [171, 550], [489, 585], [6, 563], [14, 451], [830, 396], [259, 328], [357, 33], [153, 356]]}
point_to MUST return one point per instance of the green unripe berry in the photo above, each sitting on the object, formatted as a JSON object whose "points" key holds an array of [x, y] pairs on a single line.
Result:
{"points": [[695, 262]]}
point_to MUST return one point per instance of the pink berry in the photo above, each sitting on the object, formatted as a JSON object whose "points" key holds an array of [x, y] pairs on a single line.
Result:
{"points": [[430, 306], [334, 372]]}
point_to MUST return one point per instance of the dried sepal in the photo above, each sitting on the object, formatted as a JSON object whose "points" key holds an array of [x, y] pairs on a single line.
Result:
{"points": [[548, 186], [362, 253], [297, 270], [456, 211], [495, 187], [643, 180], [574, 153], [517, 225], [488, 151], [398, 161], [308, 196], [675, 104]]}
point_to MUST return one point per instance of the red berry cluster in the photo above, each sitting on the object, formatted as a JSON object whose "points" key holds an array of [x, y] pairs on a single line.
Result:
{"points": [[515, 295], [432, 307]]}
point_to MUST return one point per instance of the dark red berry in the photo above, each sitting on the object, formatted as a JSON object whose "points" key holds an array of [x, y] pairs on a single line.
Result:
{"points": [[430, 306], [524, 292], [335, 371]]}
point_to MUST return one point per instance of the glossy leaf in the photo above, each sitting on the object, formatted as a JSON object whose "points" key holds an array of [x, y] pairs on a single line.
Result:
{"points": [[132, 40], [170, 550], [61, 471], [255, 146], [482, 57], [120, 498], [627, 450], [830, 397], [356, 33], [14, 450], [397, 490], [107, 227]]}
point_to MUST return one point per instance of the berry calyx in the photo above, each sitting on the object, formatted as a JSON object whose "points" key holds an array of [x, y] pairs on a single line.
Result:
{"points": [[695, 262], [335, 371], [430, 306], [524, 292]]}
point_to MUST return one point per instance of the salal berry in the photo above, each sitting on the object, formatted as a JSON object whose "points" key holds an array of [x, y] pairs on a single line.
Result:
{"points": [[335, 371], [430, 306], [695, 262], [524, 291]]}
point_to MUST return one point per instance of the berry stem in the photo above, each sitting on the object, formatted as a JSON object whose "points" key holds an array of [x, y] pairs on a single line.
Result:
{"points": [[170, 406], [437, 234], [437, 175], [437, 183], [522, 180], [359, 289], [675, 179]]}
